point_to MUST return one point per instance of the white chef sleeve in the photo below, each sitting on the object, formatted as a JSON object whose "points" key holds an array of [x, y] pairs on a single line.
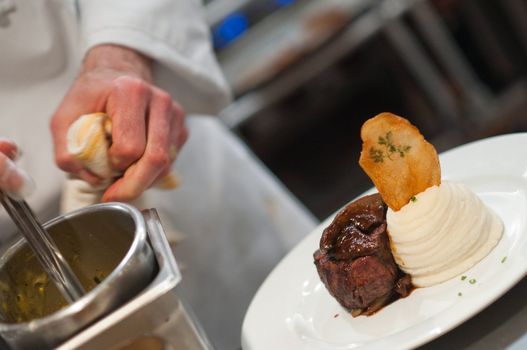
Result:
{"points": [[173, 33]]}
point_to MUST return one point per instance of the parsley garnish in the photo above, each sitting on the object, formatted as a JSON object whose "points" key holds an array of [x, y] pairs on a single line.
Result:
{"points": [[377, 155], [472, 281], [503, 260], [459, 294], [386, 141], [463, 278], [413, 199]]}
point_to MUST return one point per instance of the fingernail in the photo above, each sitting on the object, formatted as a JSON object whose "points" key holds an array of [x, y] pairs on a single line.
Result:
{"points": [[8, 140], [27, 184], [16, 152], [27, 188]]}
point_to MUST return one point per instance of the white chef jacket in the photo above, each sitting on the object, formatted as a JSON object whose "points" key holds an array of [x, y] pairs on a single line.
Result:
{"points": [[43, 45], [236, 219]]}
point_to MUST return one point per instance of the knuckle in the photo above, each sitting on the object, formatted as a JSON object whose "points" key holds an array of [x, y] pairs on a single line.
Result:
{"points": [[128, 196], [164, 172], [158, 160], [128, 151], [164, 98], [133, 85], [132, 193], [178, 110], [183, 135], [134, 189], [64, 161], [126, 189], [54, 123]]}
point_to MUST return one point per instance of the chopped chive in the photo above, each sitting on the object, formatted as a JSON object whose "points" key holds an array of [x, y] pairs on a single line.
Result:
{"points": [[463, 278], [472, 281], [413, 199], [503, 260]]}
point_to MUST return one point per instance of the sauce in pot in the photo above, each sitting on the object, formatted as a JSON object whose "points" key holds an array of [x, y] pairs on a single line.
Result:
{"points": [[26, 291]]}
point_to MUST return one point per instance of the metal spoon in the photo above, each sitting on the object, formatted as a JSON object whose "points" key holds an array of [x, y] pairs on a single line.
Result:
{"points": [[44, 248]]}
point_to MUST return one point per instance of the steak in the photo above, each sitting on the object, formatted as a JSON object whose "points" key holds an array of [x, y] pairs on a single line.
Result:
{"points": [[355, 262]]}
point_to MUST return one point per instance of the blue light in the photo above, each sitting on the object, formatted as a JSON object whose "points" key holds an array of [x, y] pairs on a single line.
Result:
{"points": [[283, 3], [232, 27]]}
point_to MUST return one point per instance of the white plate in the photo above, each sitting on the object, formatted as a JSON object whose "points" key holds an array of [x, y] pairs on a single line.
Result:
{"points": [[293, 310]]}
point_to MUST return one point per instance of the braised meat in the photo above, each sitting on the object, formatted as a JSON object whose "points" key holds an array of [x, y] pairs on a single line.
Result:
{"points": [[355, 262]]}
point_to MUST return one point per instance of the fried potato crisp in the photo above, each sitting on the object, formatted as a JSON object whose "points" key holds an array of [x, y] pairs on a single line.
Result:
{"points": [[397, 158]]}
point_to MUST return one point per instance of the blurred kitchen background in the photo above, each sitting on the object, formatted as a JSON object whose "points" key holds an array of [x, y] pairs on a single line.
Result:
{"points": [[307, 73]]}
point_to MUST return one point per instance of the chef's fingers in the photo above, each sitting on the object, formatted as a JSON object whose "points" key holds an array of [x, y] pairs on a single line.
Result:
{"points": [[13, 180], [89, 177], [178, 137], [156, 158], [127, 107], [178, 130], [9, 148]]}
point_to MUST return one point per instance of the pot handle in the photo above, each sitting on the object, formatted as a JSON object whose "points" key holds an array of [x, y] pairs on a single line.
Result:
{"points": [[159, 243], [166, 262]]}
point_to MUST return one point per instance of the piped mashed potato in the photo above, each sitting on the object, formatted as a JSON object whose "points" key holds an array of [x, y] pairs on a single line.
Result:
{"points": [[442, 232]]}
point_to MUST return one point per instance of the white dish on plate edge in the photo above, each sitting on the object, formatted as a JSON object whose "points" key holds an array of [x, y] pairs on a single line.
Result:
{"points": [[293, 310]]}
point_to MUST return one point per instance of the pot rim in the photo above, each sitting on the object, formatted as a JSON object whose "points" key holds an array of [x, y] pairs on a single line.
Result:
{"points": [[140, 238]]}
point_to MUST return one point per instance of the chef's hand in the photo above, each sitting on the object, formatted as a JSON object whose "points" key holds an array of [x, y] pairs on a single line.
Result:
{"points": [[147, 125], [13, 180]]}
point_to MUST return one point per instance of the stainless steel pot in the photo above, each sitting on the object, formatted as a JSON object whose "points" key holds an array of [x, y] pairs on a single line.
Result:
{"points": [[157, 318], [107, 247]]}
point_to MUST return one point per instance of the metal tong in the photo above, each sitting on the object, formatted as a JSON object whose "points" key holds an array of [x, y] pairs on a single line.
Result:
{"points": [[44, 248]]}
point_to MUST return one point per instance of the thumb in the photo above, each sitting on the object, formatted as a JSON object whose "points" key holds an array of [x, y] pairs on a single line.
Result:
{"points": [[60, 124]]}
